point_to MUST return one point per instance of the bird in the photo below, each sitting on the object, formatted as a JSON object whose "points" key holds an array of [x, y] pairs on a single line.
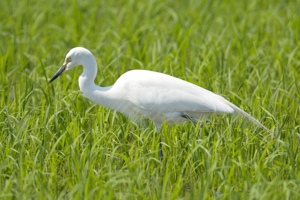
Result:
{"points": [[148, 94]]}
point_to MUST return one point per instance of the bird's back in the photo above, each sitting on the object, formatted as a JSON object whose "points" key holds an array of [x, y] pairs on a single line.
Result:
{"points": [[162, 97]]}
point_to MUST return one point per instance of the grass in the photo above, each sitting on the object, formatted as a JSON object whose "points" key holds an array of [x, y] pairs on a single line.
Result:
{"points": [[56, 144]]}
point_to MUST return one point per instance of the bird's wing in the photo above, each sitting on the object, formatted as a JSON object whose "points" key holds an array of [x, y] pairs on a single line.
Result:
{"points": [[162, 93]]}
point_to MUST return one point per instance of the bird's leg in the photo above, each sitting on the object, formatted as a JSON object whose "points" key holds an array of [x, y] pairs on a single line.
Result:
{"points": [[160, 152], [158, 129], [200, 131], [195, 121]]}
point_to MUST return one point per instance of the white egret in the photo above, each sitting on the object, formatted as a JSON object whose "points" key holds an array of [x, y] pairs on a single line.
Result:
{"points": [[141, 93]]}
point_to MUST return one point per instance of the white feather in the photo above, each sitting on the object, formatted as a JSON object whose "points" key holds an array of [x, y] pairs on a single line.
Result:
{"points": [[149, 94]]}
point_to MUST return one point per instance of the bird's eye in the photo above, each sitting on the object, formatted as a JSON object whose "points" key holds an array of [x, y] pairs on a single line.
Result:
{"points": [[69, 59]]}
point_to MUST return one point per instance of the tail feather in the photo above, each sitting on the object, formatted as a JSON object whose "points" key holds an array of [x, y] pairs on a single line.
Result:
{"points": [[248, 116]]}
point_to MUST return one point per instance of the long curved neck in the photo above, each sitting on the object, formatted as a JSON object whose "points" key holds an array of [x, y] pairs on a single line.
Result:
{"points": [[95, 93], [87, 78]]}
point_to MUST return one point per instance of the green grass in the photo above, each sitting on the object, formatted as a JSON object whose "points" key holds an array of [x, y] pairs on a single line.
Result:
{"points": [[56, 144]]}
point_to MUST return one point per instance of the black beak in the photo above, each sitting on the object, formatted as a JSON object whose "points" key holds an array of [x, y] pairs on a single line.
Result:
{"points": [[59, 72]]}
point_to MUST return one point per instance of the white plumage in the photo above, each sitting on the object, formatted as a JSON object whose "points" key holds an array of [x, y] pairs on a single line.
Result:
{"points": [[149, 94], [162, 97]]}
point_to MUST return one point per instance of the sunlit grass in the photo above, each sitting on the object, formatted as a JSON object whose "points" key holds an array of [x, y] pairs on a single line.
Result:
{"points": [[56, 144]]}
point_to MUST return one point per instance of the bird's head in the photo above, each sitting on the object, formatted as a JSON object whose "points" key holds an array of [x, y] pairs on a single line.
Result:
{"points": [[74, 57]]}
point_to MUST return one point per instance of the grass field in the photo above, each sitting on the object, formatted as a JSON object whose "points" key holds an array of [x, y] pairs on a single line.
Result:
{"points": [[56, 144]]}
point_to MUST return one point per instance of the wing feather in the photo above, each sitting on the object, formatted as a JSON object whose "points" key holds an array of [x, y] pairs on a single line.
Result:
{"points": [[159, 93], [163, 93]]}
